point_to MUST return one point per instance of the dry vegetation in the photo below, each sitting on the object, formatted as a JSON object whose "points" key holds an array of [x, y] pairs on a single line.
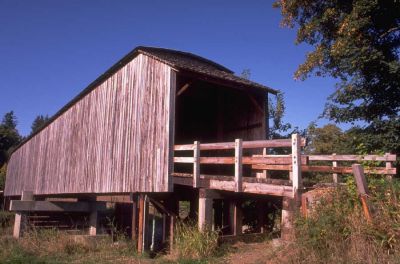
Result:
{"points": [[337, 232]]}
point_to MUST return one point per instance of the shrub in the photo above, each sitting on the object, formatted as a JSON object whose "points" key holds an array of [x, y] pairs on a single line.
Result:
{"points": [[337, 232], [191, 244], [6, 219]]}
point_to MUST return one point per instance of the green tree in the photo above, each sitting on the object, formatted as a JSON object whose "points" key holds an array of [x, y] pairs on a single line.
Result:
{"points": [[9, 136], [357, 42], [277, 127], [38, 123], [328, 139]]}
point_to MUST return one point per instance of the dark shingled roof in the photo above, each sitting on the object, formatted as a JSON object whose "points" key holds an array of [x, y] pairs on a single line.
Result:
{"points": [[197, 64], [177, 59]]}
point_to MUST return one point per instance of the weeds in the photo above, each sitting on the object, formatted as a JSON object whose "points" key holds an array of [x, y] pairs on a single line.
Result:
{"points": [[191, 244], [338, 233]]}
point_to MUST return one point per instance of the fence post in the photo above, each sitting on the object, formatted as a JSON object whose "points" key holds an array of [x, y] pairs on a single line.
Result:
{"points": [[388, 166], [238, 165], [362, 189], [296, 166], [196, 164], [334, 164]]}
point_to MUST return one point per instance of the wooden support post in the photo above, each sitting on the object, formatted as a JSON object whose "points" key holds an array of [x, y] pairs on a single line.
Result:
{"points": [[205, 210], [20, 221], [93, 223], [172, 204], [238, 165], [287, 220], [261, 216], [226, 216], [388, 167], [172, 221], [194, 207], [265, 172], [296, 166], [217, 214], [236, 217], [196, 164], [334, 175], [362, 189], [141, 223], [134, 218]]}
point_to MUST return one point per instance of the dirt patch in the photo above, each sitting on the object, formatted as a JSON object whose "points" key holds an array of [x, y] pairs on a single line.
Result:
{"points": [[255, 253]]}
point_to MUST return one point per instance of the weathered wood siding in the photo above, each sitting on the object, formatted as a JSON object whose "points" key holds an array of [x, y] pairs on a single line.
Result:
{"points": [[114, 140]]}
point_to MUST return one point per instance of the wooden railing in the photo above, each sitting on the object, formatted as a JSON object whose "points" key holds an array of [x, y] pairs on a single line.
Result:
{"points": [[238, 159], [261, 164]]}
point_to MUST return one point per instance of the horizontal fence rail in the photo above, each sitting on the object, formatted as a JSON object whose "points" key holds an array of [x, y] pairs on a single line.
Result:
{"points": [[261, 164]]}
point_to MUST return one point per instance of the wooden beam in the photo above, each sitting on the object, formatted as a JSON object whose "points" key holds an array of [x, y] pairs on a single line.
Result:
{"points": [[296, 166], [272, 143], [334, 175], [183, 89], [345, 170], [93, 223], [287, 219], [141, 224], [218, 218], [361, 182], [134, 218], [248, 187], [196, 164], [386, 157], [238, 165], [362, 188], [20, 217], [205, 211], [236, 217], [48, 206]]}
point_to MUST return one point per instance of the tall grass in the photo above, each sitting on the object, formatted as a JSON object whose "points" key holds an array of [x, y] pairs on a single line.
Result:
{"points": [[53, 246], [337, 231], [192, 244]]}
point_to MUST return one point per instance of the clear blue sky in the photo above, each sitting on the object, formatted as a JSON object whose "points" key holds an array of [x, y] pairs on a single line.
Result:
{"points": [[51, 50]]}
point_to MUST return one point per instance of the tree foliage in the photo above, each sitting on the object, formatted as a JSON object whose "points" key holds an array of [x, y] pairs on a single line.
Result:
{"points": [[357, 42], [38, 123], [276, 108], [9, 136], [328, 139]]}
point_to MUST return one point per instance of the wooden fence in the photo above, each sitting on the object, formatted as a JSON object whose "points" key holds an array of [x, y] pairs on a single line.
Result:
{"points": [[261, 164]]}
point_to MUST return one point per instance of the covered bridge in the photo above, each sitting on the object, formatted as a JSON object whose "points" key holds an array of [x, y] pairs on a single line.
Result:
{"points": [[118, 134]]}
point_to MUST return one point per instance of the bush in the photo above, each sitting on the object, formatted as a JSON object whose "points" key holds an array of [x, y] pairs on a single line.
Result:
{"points": [[6, 219], [192, 244], [337, 232]]}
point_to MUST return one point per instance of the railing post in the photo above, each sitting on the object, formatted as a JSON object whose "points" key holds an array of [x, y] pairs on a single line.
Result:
{"points": [[238, 165], [388, 165], [196, 164], [334, 164], [296, 165]]}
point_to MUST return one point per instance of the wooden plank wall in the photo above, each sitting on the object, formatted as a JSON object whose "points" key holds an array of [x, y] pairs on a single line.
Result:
{"points": [[114, 140]]}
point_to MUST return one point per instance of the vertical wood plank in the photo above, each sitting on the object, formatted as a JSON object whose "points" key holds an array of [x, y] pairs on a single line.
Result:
{"points": [[334, 175], [134, 219], [296, 165], [117, 138], [20, 220], [388, 165], [141, 223], [362, 188], [196, 164], [205, 210], [236, 217], [238, 165], [361, 181], [93, 222]]}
